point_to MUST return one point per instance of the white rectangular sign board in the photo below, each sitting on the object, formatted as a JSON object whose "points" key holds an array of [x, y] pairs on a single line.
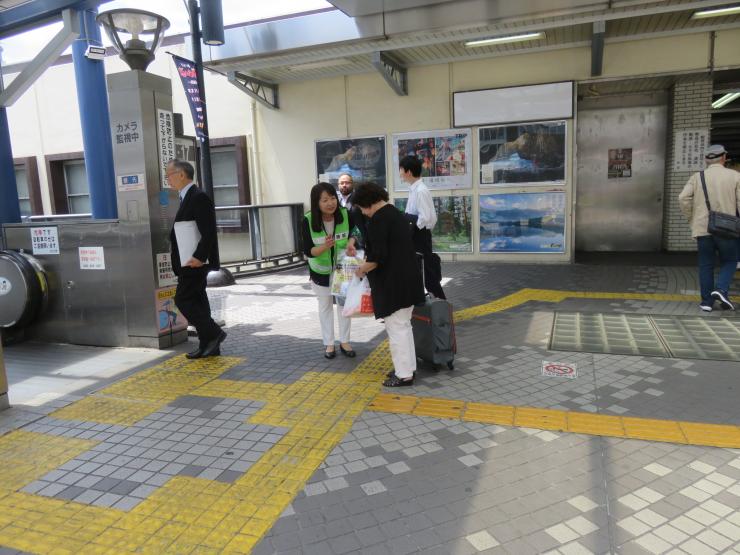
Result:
{"points": [[513, 104]]}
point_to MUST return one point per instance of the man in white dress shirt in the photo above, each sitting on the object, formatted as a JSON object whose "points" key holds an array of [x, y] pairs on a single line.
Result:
{"points": [[420, 210]]}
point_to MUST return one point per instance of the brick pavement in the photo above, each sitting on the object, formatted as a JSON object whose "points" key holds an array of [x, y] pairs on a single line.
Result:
{"points": [[271, 449]]}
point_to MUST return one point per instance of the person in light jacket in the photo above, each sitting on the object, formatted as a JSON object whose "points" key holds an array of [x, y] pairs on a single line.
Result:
{"points": [[723, 186]]}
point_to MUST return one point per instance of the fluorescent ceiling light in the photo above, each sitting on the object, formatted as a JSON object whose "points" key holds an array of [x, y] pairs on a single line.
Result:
{"points": [[501, 40], [320, 65], [717, 12], [726, 99]]}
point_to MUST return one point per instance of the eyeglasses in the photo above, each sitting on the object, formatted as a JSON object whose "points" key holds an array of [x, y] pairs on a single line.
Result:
{"points": [[170, 173]]}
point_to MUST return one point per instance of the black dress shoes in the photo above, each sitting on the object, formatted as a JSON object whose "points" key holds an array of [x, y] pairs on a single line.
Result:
{"points": [[197, 353], [330, 354], [213, 347], [348, 352]]}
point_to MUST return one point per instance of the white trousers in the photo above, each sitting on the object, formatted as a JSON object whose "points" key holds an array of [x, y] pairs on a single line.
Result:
{"points": [[326, 316], [401, 340]]}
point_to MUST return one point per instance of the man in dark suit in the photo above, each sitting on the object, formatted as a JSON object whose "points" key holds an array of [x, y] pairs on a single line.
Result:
{"points": [[192, 274]]}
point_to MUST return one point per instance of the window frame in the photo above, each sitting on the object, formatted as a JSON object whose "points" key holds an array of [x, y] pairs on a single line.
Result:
{"points": [[31, 167], [57, 180], [239, 144]]}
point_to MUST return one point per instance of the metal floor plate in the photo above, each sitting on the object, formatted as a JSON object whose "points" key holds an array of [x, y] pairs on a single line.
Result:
{"points": [[639, 334]]}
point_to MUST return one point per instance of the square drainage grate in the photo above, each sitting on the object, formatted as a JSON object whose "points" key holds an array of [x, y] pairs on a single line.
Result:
{"points": [[639, 334]]}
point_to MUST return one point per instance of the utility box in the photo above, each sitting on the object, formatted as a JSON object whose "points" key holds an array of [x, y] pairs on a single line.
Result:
{"points": [[108, 282]]}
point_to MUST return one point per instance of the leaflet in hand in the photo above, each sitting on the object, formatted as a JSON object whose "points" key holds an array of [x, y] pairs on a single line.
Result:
{"points": [[345, 269]]}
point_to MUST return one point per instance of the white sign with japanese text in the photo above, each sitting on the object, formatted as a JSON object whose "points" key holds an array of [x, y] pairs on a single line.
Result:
{"points": [[44, 240], [132, 182], [164, 270], [92, 258], [166, 138], [688, 150]]}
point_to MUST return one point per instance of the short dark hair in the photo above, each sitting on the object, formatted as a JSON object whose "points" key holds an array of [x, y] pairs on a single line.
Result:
{"points": [[316, 192], [368, 194], [183, 166], [411, 164]]}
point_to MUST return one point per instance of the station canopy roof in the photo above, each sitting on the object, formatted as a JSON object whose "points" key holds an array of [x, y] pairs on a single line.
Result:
{"points": [[342, 40]]}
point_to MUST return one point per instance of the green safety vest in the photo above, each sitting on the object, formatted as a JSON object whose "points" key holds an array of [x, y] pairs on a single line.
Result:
{"points": [[323, 264]]}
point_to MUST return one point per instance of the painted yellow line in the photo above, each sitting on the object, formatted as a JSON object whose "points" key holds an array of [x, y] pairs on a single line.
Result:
{"points": [[692, 433]]}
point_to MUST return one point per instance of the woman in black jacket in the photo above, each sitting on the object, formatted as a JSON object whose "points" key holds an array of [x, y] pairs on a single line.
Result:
{"points": [[394, 276]]}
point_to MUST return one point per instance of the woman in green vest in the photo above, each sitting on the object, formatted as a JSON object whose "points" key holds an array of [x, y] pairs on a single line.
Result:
{"points": [[326, 232]]}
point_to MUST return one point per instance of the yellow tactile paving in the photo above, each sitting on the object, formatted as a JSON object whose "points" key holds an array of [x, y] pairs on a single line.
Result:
{"points": [[107, 410], [134, 398], [192, 515], [386, 402], [595, 424], [27, 455], [543, 419], [441, 408], [489, 413], [714, 435]]}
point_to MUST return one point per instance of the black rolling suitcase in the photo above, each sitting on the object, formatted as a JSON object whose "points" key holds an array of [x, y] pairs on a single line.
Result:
{"points": [[434, 331]]}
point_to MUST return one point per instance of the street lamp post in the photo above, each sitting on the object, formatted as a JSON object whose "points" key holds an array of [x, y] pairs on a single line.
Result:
{"points": [[205, 145]]}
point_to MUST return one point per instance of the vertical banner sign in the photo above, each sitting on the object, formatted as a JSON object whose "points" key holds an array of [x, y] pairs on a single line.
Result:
{"points": [[189, 77], [166, 137]]}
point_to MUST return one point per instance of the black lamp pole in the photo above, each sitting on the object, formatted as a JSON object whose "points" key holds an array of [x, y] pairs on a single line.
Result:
{"points": [[205, 146]]}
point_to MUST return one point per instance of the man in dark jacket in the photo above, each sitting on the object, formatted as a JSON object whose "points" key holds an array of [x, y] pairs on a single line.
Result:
{"points": [[192, 274]]}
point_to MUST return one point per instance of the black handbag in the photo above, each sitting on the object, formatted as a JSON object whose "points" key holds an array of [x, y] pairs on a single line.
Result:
{"points": [[720, 224]]}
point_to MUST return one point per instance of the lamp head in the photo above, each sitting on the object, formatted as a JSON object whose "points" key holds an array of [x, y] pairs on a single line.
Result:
{"points": [[135, 34]]}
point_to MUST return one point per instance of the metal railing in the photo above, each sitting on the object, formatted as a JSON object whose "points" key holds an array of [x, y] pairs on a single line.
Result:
{"points": [[56, 217], [258, 237], [251, 238]]}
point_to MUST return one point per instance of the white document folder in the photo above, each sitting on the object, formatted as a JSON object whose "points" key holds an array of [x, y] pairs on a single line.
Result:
{"points": [[188, 237]]}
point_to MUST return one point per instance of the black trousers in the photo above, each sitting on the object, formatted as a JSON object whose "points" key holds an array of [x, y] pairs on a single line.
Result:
{"points": [[192, 300], [432, 263]]}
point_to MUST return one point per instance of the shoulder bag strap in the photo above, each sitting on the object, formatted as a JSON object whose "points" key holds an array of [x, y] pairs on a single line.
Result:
{"points": [[704, 186]]}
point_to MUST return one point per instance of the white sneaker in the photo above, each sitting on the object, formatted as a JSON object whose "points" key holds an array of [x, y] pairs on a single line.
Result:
{"points": [[723, 299], [738, 266], [705, 307]]}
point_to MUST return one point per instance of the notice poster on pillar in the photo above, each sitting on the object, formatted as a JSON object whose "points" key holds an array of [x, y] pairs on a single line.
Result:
{"points": [[44, 240], [189, 77], [169, 318], [165, 275], [444, 154], [91, 258], [620, 163], [688, 150], [166, 138]]}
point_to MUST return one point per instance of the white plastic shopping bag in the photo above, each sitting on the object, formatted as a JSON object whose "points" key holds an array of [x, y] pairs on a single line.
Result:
{"points": [[358, 301]]}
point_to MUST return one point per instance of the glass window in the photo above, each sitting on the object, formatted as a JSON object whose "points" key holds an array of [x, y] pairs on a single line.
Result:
{"points": [[223, 167], [75, 180], [225, 184], [24, 196]]}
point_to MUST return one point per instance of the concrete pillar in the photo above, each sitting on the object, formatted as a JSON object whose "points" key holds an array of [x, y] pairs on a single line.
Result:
{"points": [[690, 108]]}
